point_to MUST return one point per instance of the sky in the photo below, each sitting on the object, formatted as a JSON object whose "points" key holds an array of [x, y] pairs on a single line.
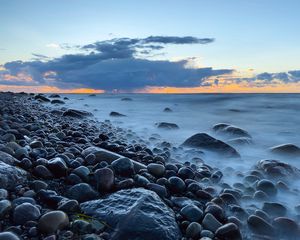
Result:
{"points": [[150, 46]]}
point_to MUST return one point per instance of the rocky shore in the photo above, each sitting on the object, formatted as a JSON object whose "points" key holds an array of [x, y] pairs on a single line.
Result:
{"points": [[64, 175]]}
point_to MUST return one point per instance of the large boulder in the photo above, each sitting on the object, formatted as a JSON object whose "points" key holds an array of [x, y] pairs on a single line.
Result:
{"points": [[7, 158], [10, 176], [207, 142], [108, 156], [135, 214], [275, 168]]}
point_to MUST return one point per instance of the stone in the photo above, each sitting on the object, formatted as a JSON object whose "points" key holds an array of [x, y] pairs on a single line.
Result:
{"points": [[229, 231], [116, 114], [206, 142], [210, 223], [127, 212], [25, 212], [176, 185], [42, 172], [277, 169], [159, 189], [223, 128], [191, 213], [41, 98], [286, 227], [11, 176], [216, 211], [274, 209], [156, 170], [57, 101], [123, 167], [105, 179], [286, 149], [8, 236], [167, 126], [3, 194], [7, 158], [168, 109], [193, 230], [52, 221], [186, 173], [260, 226], [267, 186], [83, 172], [5, 207], [82, 192], [58, 167], [76, 113]]}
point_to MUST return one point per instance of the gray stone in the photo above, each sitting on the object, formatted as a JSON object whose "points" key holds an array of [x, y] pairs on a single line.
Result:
{"points": [[52, 221], [7, 158], [192, 213], [193, 230], [123, 166], [82, 192], [211, 223], [127, 212], [105, 179], [25, 212], [206, 142], [10, 176], [8, 236], [5, 207], [260, 226], [156, 170]]}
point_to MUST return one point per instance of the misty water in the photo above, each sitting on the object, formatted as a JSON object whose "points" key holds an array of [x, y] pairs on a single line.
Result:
{"points": [[271, 119]]}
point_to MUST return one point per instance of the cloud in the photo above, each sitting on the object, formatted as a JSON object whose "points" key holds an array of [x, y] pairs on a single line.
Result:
{"points": [[53, 45], [117, 64]]}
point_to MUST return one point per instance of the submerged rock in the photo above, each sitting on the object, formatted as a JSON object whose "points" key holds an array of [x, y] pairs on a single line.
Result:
{"points": [[224, 128], [275, 168], [57, 101], [116, 114], [76, 113], [166, 125], [126, 99], [135, 214], [207, 142], [286, 149], [168, 109], [41, 98]]}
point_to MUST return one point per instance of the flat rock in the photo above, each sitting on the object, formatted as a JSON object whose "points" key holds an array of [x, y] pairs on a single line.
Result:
{"points": [[76, 113], [286, 149], [135, 214], [207, 142], [116, 114]]}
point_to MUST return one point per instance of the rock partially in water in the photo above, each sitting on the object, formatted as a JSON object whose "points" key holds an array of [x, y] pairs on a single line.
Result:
{"points": [[168, 109], [207, 142], [224, 128], [54, 96], [116, 114], [135, 214], [240, 141], [126, 99], [76, 113], [275, 168], [10, 176], [57, 101], [166, 125], [260, 226], [286, 149], [41, 98]]}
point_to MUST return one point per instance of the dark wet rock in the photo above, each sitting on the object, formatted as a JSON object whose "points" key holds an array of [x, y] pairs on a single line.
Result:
{"points": [[5, 207], [36, 144], [41, 98], [126, 99], [186, 173], [229, 231], [116, 114], [286, 227], [204, 141], [83, 172], [76, 113], [129, 216], [10, 176], [156, 170], [92, 95], [52, 221], [54, 96], [141, 181], [192, 213], [166, 125], [3, 193], [286, 149], [275, 168], [57, 101], [204, 195], [224, 128], [176, 185], [109, 157], [168, 109], [123, 166], [58, 167], [260, 226], [210, 223], [159, 189], [82, 192], [43, 172], [267, 186], [274, 209], [26, 212], [193, 230], [8, 236], [105, 179], [216, 211], [21, 200], [68, 206]]}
